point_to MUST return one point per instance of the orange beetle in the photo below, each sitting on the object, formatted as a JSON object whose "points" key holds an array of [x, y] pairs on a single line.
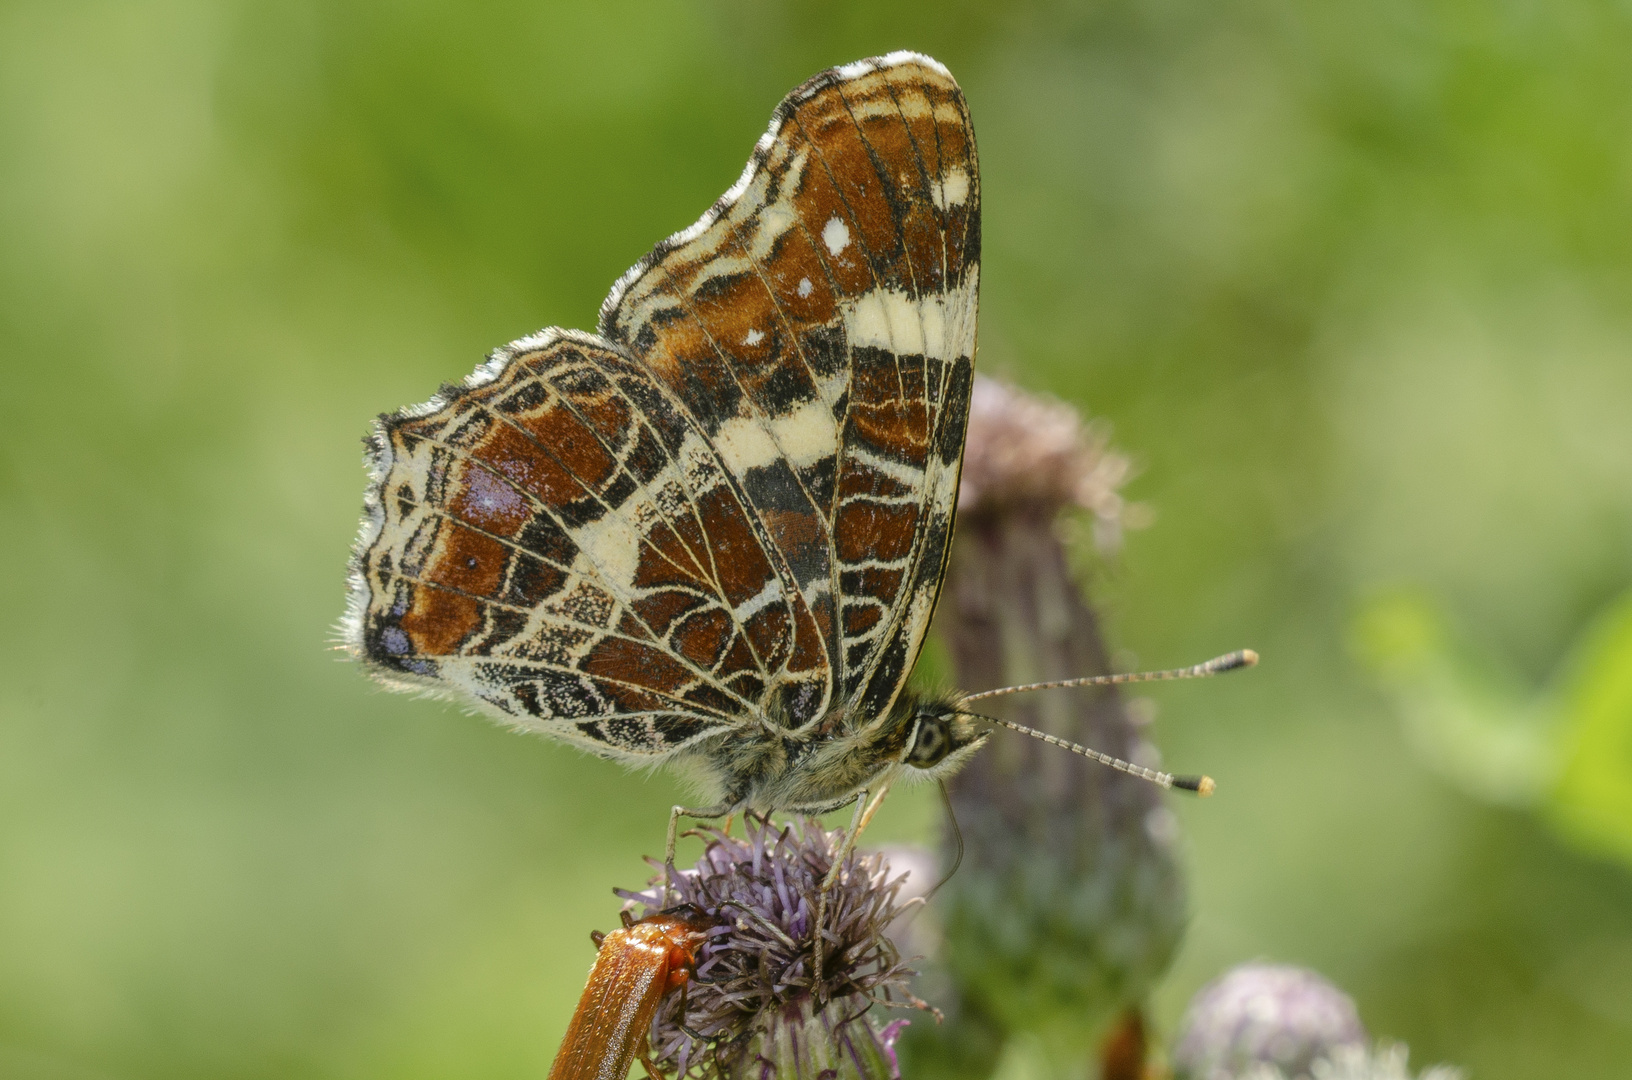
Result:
{"points": [[634, 969]]}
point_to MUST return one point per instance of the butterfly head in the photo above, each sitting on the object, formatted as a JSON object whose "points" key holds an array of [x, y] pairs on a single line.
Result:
{"points": [[940, 736]]}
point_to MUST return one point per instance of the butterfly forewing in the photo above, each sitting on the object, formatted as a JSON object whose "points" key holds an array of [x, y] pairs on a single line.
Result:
{"points": [[733, 505], [821, 323]]}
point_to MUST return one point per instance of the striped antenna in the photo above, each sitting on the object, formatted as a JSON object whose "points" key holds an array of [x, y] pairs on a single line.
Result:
{"points": [[1243, 658], [1201, 785]]}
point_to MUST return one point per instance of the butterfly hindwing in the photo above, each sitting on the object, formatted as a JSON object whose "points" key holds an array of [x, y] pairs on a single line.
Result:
{"points": [[560, 543]]}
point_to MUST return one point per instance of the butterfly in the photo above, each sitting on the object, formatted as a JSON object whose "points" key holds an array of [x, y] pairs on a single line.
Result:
{"points": [[712, 533]]}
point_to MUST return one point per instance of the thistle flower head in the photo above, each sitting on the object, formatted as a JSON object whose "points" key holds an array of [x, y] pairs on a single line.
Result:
{"points": [[1265, 1016], [755, 970], [1387, 1061], [1025, 450]]}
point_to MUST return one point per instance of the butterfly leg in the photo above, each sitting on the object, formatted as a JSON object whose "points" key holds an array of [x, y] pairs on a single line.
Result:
{"points": [[674, 838], [857, 823], [872, 808]]}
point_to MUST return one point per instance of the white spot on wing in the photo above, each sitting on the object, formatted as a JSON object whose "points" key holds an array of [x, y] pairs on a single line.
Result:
{"points": [[745, 444], [770, 594], [807, 434], [611, 547], [941, 326], [754, 337], [802, 437], [952, 189], [805, 287], [836, 235], [907, 475]]}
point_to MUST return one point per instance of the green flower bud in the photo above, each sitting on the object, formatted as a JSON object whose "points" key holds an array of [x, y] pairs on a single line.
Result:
{"points": [[1070, 902]]}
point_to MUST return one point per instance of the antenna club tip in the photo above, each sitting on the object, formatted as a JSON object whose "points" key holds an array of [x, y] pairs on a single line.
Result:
{"points": [[1249, 658], [1201, 785]]}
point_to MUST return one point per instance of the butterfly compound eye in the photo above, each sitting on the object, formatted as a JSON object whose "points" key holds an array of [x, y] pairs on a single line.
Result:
{"points": [[930, 743]]}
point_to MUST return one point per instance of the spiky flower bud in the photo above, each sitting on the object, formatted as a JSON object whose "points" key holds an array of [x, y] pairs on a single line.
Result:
{"points": [[751, 1009], [1026, 451], [1273, 1015], [1070, 902]]}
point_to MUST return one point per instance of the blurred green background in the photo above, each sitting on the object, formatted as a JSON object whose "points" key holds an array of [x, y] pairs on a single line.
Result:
{"points": [[1352, 281]]}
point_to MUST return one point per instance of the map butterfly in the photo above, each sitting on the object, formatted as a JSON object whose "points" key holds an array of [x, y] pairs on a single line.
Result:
{"points": [[712, 533]]}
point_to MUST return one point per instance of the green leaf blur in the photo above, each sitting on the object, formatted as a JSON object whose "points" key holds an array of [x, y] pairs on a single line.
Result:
{"points": [[1593, 800], [1350, 279]]}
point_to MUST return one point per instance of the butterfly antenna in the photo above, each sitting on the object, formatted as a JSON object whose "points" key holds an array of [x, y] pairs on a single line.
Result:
{"points": [[1201, 785], [1243, 658]]}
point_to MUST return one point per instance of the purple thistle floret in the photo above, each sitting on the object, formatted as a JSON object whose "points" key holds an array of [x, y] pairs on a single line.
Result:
{"points": [[754, 973], [1272, 1014]]}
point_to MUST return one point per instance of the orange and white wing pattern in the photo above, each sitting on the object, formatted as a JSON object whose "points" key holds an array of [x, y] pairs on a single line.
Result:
{"points": [[732, 505], [820, 322], [557, 541]]}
